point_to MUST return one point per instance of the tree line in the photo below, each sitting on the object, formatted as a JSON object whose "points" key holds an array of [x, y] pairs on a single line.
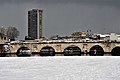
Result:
{"points": [[9, 32]]}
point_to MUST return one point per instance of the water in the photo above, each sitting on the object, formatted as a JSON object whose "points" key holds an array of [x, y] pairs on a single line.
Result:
{"points": [[60, 68]]}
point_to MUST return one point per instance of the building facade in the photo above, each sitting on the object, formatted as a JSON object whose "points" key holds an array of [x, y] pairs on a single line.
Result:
{"points": [[35, 23]]}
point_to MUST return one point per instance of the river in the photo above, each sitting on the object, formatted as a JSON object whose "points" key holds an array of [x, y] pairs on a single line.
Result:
{"points": [[60, 68]]}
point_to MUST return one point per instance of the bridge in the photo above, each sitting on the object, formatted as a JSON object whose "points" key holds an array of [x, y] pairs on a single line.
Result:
{"points": [[55, 48]]}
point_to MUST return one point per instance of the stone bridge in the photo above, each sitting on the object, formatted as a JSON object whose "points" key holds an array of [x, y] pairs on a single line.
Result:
{"points": [[64, 48]]}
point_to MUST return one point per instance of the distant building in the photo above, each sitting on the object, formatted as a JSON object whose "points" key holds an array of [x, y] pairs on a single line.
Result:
{"points": [[79, 35], [35, 23], [113, 37], [104, 37], [107, 37]]}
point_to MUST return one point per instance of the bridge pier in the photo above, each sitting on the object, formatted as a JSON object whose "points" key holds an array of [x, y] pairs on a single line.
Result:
{"points": [[35, 54], [107, 54], [59, 54]]}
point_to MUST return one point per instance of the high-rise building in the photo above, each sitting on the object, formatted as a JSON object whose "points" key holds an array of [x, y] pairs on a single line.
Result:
{"points": [[35, 23]]}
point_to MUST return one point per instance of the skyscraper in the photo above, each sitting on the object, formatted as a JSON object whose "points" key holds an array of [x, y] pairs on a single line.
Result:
{"points": [[35, 23]]}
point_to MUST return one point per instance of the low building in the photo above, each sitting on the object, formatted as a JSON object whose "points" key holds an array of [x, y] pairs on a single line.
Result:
{"points": [[104, 37], [79, 35], [113, 37], [109, 37]]}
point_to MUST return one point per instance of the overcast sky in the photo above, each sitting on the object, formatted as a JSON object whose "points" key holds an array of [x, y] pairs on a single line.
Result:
{"points": [[63, 17]]}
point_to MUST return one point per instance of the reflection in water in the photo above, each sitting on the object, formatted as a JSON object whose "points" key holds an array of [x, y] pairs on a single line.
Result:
{"points": [[96, 51], [24, 52], [116, 51], [72, 51], [47, 51]]}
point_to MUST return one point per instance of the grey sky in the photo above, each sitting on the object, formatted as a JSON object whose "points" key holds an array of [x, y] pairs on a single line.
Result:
{"points": [[63, 17]]}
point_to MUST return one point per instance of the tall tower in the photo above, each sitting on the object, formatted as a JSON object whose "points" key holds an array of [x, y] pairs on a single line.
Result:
{"points": [[35, 23]]}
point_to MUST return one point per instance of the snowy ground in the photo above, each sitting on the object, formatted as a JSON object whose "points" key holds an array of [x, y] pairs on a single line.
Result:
{"points": [[60, 68]]}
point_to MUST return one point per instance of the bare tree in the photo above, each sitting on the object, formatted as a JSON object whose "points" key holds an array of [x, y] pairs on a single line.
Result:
{"points": [[3, 31], [12, 32]]}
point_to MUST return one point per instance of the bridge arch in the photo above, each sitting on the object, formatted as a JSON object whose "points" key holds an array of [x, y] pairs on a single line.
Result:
{"points": [[47, 51], [72, 51], [24, 52], [115, 51], [96, 50]]}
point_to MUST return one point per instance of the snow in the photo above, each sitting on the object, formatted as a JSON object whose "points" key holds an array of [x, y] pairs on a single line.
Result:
{"points": [[60, 68]]}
